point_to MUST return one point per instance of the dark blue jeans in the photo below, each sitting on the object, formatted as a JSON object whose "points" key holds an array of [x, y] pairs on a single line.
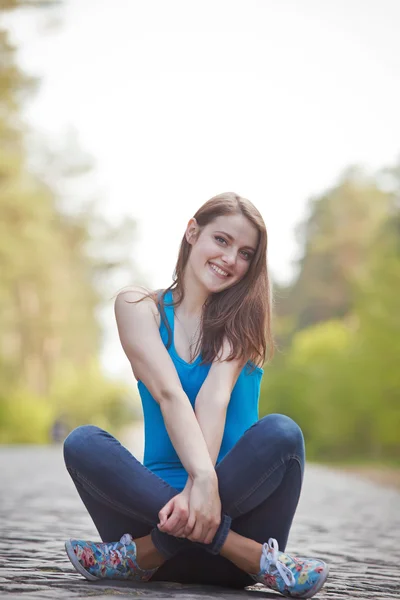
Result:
{"points": [[259, 484]]}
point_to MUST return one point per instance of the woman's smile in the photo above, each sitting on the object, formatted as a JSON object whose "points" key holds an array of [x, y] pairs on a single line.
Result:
{"points": [[218, 270]]}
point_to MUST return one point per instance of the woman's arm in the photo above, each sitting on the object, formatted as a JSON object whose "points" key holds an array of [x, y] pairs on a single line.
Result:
{"points": [[138, 326], [210, 408], [213, 399], [151, 364]]}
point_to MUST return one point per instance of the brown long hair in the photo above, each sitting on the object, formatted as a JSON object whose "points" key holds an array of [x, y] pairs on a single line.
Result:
{"points": [[241, 313]]}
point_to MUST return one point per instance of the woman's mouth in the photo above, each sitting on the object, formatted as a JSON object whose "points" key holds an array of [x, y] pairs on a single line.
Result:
{"points": [[218, 271]]}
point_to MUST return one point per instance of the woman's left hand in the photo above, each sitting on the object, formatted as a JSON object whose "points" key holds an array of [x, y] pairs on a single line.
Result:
{"points": [[175, 514]]}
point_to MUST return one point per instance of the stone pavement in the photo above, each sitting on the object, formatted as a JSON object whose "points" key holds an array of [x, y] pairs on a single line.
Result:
{"points": [[352, 523]]}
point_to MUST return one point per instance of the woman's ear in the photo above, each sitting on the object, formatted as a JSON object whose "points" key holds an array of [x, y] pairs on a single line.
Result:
{"points": [[192, 230]]}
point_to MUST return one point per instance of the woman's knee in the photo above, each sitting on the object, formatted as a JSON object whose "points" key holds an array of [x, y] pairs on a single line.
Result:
{"points": [[282, 430], [76, 443]]}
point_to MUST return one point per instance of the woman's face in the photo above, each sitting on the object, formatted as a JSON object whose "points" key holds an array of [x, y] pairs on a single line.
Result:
{"points": [[222, 252]]}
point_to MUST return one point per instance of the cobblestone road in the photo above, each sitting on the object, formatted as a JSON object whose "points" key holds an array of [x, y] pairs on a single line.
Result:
{"points": [[352, 523]]}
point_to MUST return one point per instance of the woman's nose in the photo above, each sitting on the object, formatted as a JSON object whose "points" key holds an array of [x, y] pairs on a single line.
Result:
{"points": [[229, 258]]}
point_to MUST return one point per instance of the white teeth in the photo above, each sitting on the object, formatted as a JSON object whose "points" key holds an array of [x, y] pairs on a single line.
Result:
{"points": [[218, 270]]}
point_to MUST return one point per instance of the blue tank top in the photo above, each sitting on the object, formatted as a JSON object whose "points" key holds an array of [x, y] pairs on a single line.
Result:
{"points": [[159, 454]]}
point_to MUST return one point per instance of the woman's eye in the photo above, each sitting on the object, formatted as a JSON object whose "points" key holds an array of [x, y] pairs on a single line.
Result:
{"points": [[246, 255], [220, 239]]}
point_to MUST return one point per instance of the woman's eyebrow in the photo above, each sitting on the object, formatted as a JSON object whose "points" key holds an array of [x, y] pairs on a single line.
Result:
{"points": [[231, 238]]}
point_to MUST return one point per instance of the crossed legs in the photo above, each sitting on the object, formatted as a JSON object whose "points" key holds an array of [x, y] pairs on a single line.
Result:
{"points": [[259, 481]]}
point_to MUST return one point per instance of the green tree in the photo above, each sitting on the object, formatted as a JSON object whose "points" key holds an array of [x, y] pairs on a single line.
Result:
{"points": [[337, 369], [334, 238], [53, 266]]}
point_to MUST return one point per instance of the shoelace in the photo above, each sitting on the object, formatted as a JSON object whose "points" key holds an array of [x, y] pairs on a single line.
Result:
{"points": [[270, 558], [124, 541]]}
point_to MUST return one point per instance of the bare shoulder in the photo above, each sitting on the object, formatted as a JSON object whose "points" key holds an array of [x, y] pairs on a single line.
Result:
{"points": [[133, 293], [138, 320], [136, 301]]}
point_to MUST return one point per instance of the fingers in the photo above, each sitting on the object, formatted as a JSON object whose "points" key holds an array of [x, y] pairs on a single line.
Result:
{"points": [[190, 524], [212, 531], [180, 533], [176, 522], [165, 512], [196, 525], [178, 525], [204, 531], [197, 533]]}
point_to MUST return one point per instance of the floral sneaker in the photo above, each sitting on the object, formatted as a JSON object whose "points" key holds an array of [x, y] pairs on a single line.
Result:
{"points": [[107, 561], [292, 576]]}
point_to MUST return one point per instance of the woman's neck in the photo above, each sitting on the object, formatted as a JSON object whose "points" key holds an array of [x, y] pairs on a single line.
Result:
{"points": [[194, 299]]}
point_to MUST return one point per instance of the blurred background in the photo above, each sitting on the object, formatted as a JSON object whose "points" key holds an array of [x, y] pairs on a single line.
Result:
{"points": [[119, 119]]}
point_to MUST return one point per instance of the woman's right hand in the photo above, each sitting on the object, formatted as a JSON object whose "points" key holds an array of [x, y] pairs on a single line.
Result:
{"points": [[174, 515], [204, 509]]}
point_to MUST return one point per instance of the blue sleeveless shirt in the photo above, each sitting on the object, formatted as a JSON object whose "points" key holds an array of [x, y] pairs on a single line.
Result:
{"points": [[159, 454]]}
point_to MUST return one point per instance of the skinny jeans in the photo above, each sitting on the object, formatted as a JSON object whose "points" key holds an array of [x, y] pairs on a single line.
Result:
{"points": [[259, 485]]}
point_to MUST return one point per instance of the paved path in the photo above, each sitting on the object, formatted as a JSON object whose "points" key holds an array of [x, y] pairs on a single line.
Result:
{"points": [[352, 523]]}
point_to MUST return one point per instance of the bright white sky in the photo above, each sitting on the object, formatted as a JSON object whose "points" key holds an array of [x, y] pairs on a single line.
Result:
{"points": [[178, 101]]}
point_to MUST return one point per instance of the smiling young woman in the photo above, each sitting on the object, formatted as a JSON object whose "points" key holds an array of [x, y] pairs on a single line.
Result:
{"points": [[216, 495]]}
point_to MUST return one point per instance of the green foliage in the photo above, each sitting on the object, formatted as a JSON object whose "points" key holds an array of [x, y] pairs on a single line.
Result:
{"points": [[88, 397], [25, 418], [52, 265], [77, 397], [338, 370], [339, 230], [312, 390]]}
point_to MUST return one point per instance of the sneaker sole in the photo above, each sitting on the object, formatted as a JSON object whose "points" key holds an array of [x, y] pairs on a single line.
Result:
{"points": [[320, 583], [75, 562]]}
